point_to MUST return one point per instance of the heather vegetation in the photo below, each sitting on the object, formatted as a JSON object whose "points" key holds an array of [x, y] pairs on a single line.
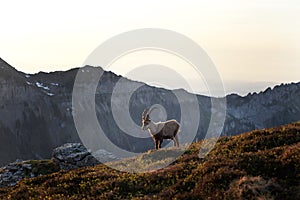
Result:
{"points": [[262, 164]]}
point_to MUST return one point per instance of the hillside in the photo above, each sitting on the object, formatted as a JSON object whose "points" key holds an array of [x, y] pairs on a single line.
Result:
{"points": [[36, 111], [262, 164]]}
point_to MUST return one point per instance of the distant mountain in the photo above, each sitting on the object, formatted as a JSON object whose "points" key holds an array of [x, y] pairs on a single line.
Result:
{"points": [[36, 112]]}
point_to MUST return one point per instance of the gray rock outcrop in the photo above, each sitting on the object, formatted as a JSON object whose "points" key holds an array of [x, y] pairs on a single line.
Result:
{"points": [[73, 155], [12, 173], [66, 157]]}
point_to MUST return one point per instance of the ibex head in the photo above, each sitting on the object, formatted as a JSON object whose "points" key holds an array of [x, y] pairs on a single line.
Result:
{"points": [[145, 119]]}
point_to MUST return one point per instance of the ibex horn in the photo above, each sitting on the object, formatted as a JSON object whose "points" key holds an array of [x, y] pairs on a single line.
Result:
{"points": [[151, 110], [145, 111]]}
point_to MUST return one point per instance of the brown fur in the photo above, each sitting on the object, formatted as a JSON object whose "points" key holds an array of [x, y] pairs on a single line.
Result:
{"points": [[169, 127], [162, 130]]}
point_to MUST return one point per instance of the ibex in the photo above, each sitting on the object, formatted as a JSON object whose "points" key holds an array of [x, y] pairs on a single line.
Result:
{"points": [[160, 130]]}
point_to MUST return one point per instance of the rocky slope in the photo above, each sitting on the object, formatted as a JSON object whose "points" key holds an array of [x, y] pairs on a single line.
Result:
{"points": [[262, 164], [66, 157], [36, 111]]}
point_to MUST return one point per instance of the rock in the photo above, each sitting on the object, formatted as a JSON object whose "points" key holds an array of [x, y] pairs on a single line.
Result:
{"points": [[27, 166], [73, 155], [68, 156], [12, 173]]}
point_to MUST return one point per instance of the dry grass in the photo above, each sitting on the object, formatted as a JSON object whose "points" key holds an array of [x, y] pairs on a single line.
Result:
{"points": [[262, 164]]}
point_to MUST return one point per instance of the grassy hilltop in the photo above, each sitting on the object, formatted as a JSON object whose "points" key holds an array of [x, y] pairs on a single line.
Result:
{"points": [[262, 164]]}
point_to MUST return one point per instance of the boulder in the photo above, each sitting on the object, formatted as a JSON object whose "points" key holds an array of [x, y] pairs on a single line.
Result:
{"points": [[11, 174], [73, 155], [66, 157]]}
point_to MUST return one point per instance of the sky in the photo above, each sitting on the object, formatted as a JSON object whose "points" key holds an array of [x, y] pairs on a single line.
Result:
{"points": [[253, 44]]}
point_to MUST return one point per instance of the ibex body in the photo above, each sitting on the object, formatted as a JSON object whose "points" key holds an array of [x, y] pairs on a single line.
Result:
{"points": [[161, 130]]}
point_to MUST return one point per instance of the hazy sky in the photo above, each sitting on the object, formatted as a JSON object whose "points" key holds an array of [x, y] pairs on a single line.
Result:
{"points": [[254, 41]]}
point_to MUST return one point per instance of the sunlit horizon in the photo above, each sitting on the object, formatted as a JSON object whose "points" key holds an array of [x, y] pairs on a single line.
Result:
{"points": [[249, 42]]}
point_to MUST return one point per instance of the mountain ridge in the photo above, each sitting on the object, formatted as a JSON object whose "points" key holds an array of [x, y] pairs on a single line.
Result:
{"points": [[42, 73], [37, 111]]}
